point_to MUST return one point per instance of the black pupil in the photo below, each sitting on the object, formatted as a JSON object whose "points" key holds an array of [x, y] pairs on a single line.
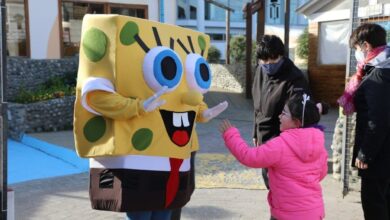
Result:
{"points": [[168, 68], [204, 72]]}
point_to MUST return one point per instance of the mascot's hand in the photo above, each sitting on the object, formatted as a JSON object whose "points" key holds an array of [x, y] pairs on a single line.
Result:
{"points": [[154, 102], [215, 111]]}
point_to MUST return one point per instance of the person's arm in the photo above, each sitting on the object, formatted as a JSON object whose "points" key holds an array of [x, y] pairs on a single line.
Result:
{"points": [[375, 95], [266, 155]]}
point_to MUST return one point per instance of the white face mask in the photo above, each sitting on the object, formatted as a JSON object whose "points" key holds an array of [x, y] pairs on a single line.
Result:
{"points": [[360, 55]]}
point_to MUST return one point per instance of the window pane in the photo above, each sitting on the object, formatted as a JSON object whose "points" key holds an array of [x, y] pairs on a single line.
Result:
{"points": [[72, 16], [216, 37], [186, 9], [333, 42], [134, 12], [16, 28], [215, 13]]}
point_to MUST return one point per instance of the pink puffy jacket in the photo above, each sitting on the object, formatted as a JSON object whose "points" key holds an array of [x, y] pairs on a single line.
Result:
{"points": [[297, 162]]}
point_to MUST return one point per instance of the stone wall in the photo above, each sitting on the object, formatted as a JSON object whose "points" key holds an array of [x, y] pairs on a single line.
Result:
{"points": [[28, 74], [25, 74], [50, 115], [228, 77], [337, 147]]}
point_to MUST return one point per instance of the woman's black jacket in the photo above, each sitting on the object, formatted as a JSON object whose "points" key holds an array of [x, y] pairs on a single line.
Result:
{"points": [[372, 137]]}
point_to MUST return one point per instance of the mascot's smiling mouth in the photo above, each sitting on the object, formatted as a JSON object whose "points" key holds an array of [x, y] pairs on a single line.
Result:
{"points": [[178, 125]]}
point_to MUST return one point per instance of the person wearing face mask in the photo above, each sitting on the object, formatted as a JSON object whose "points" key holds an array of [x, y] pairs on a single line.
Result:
{"points": [[370, 50], [276, 80], [367, 94]]}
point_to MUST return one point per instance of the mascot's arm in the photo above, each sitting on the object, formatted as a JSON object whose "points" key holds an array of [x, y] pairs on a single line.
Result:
{"points": [[199, 117], [208, 114], [99, 97], [114, 106]]}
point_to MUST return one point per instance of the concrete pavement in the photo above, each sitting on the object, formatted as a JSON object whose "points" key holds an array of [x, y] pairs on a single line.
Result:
{"points": [[66, 197]]}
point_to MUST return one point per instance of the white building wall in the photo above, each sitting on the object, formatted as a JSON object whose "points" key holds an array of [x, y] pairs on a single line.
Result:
{"points": [[44, 29]]}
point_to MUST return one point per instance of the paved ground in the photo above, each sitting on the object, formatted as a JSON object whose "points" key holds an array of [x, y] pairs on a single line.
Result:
{"points": [[67, 197]]}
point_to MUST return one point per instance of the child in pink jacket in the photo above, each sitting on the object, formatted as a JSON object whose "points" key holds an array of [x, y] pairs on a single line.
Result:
{"points": [[296, 159]]}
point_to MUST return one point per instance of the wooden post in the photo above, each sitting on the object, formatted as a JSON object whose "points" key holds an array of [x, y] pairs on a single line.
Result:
{"points": [[248, 81], [260, 23]]}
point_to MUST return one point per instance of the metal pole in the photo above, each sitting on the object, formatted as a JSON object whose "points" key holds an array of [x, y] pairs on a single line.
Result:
{"points": [[3, 111], [287, 27], [248, 61], [227, 37], [347, 127]]}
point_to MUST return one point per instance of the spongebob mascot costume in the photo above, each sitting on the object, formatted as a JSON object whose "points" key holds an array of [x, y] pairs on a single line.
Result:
{"points": [[139, 95]]}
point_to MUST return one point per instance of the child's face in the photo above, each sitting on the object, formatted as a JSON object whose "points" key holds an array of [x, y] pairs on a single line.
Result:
{"points": [[286, 120]]}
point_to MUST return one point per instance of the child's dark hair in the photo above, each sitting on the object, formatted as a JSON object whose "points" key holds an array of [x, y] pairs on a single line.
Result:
{"points": [[269, 47], [374, 34], [312, 114]]}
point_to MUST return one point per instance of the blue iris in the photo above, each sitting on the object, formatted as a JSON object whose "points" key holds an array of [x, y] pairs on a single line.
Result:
{"points": [[202, 73], [167, 68]]}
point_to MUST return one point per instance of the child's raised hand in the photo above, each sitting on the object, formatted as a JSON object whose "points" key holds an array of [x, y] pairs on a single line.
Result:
{"points": [[225, 124]]}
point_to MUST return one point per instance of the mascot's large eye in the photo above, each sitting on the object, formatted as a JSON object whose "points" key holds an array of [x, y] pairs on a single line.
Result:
{"points": [[198, 73], [162, 67]]}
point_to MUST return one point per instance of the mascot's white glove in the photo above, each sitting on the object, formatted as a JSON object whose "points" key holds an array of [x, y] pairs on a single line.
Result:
{"points": [[153, 102], [215, 111]]}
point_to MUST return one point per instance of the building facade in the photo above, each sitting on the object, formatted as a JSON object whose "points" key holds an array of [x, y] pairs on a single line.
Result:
{"points": [[211, 19], [50, 29], [329, 31]]}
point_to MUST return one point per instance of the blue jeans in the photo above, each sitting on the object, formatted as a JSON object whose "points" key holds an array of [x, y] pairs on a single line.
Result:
{"points": [[149, 215]]}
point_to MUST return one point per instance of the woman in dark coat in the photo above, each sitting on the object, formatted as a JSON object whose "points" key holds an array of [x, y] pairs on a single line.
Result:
{"points": [[368, 94]]}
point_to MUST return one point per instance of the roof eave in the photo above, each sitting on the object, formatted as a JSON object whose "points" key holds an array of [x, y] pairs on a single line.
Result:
{"points": [[312, 6]]}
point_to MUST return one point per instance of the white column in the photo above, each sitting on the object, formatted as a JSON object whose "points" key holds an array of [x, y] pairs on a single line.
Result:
{"points": [[170, 11], [200, 15], [187, 9]]}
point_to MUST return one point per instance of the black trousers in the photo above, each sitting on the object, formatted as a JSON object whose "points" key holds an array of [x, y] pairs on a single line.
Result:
{"points": [[176, 213], [375, 195]]}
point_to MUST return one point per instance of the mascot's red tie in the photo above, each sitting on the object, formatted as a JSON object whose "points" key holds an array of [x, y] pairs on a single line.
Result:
{"points": [[173, 181]]}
